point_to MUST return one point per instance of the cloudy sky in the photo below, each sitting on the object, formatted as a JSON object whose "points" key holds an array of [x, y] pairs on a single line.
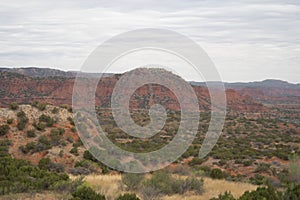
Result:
{"points": [[247, 40]]}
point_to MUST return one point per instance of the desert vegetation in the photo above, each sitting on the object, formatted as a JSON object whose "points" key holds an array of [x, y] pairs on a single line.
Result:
{"points": [[258, 154]]}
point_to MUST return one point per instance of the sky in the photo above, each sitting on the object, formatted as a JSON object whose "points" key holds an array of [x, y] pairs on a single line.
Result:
{"points": [[247, 40]]}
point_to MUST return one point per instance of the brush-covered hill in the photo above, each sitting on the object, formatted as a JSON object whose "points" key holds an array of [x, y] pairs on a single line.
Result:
{"points": [[57, 90]]}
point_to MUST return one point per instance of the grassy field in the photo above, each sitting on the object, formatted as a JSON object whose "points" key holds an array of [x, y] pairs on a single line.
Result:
{"points": [[111, 187]]}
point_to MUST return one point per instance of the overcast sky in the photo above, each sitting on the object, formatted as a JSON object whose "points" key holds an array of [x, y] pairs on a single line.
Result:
{"points": [[247, 40]]}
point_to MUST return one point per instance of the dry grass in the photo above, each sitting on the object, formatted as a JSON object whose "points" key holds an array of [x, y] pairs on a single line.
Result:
{"points": [[212, 188], [110, 186]]}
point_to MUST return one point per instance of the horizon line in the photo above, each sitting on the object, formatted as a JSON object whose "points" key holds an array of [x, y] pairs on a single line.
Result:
{"points": [[76, 70]]}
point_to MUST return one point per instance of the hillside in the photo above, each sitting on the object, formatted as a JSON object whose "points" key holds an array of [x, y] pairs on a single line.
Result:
{"points": [[58, 90], [259, 143]]}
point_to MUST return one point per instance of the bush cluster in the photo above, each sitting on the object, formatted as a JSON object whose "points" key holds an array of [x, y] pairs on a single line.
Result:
{"points": [[22, 120], [19, 176]]}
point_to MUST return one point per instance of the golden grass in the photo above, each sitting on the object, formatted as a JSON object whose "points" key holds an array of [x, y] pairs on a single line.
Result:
{"points": [[212, 188], [110, 186]]}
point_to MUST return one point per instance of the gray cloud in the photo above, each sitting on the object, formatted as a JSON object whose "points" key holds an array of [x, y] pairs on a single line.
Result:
{"points": [[247, 40]]}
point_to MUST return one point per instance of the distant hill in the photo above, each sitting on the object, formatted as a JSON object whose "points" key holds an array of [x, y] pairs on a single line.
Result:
{"points": [[267, 91], [47, 72], [58, 90]]}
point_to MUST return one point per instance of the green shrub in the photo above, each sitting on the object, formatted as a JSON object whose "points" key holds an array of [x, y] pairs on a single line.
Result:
{"points": [[292, 192], [44, 163], [4, 129], [78, 143], [4, 147], [71, 121], [30, 133], [196, 161], [87, 155], [47, 119], [258, 179], [9, 121], [55, 110], [21, 114], [14, 106], [74, 151], [18, 176], [262, 167], [22, 120], [262, 193], [42, 106], [39, 126], [44, 140], [67, 186], [73, 129], [55, 136], [87, 193], [128, 196], [294, 169], [35, 104], [217, 174]]}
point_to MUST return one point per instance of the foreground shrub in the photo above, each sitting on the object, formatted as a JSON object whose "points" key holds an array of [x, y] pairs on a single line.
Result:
{"points": [[87, 193], [18, 176], [262, 193], [128, 196], [292, 192]]}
